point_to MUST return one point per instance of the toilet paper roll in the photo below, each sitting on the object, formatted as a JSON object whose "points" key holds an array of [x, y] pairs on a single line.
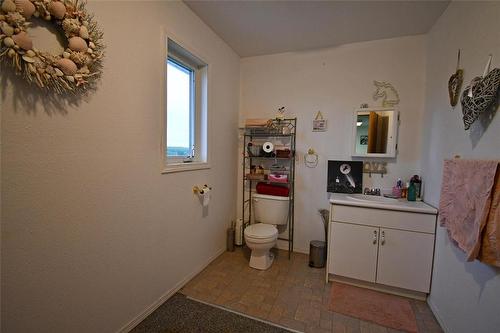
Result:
{"points": [[268, 147], [205, 196]]}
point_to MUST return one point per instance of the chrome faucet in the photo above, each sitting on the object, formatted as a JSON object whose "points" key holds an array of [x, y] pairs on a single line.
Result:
{"points": [[372, 191]]}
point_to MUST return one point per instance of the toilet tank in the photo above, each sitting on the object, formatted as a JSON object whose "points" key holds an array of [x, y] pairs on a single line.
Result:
{"points": [[270, 209]]}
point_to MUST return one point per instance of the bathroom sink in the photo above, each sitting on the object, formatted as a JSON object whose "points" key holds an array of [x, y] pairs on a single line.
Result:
{"points": [[371, 198], [374, 201]]}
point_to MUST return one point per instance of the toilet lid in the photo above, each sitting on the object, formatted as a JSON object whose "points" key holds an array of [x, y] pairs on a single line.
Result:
{"points": [[261, 230]]}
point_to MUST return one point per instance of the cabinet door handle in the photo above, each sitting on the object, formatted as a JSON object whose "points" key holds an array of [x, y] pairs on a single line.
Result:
{"points": [[374, 236], [382, 240]]}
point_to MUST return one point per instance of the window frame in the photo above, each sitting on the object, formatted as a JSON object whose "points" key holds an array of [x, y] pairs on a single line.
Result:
{"points": [[191, 58]]}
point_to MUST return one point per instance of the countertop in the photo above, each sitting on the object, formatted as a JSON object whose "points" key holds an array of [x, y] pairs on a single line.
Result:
{"points": [[394, 204]]}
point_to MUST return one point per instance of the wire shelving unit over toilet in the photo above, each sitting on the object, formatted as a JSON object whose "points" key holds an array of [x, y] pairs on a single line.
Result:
{"points": [[282, 133]]}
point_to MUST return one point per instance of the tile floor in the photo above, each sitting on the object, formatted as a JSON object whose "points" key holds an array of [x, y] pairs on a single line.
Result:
{"points": [[290, 293]]}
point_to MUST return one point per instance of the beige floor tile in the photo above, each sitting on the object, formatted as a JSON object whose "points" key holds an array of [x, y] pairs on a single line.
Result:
{"points": [[367, 327], [432, 326], [293, 324], [238, 307], [326, 315], [315, 303], [353, 326], [309, 316], [339, 327], [276, 313], [325, 324], [316, 329], [378, 329], [259, 311], [251, 299], [227, 297], [289, 309], [290, 293], [346, 323], [392, 330]]}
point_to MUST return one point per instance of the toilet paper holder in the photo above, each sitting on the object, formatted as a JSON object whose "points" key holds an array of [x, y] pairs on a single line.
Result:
{"points": [[198, 190]]}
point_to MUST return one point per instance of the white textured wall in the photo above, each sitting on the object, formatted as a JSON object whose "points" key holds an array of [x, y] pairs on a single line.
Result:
{"points": [[92, 233], [465, 295], [1, 217], [336, 81]]}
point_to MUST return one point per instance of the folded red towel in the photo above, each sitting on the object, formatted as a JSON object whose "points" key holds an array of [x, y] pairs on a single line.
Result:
{"points": [[269, 189]]}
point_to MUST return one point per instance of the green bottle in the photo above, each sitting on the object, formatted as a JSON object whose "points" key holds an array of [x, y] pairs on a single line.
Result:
{"points": [[412, 192]]}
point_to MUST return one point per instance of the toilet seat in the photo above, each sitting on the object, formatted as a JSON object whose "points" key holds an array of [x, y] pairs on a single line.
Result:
{"points": [[261, 232]]}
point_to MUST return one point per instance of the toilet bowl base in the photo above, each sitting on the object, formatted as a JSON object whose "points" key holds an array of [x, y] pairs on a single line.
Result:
{"points": [[261, 260]]}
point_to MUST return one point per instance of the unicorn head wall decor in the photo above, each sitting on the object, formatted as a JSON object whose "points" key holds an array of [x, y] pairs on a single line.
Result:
{"points": [[387, 92]]}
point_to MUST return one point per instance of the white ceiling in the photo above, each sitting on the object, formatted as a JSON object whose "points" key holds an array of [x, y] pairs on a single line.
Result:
{"points": [[264, 27]]}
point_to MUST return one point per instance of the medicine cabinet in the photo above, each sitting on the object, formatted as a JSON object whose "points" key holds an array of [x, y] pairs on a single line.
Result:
{"points": [[375, 132]]}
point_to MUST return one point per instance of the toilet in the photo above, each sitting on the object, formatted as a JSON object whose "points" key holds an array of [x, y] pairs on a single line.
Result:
{"points": [[269, 212]]}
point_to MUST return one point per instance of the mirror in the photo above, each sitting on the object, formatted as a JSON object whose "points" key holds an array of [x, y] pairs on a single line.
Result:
{"points": [[375, 132]]}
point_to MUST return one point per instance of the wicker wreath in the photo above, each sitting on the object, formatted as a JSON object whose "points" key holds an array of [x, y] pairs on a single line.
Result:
{"points": [[480, 95], [76, 68]]}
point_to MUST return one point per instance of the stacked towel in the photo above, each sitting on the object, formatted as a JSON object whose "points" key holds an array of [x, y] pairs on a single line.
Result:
{"points": [[256, 122], [468, 207]]}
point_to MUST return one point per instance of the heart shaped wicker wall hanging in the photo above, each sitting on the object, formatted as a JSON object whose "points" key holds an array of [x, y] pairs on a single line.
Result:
{"points": [[481, 94], [75, 69]]}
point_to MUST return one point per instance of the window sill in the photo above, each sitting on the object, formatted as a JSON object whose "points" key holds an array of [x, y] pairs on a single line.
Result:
{"points": [[179, 167]]}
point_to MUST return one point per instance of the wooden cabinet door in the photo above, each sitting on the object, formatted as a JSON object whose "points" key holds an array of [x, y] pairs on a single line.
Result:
{"points": [[353, 251], [405, 259]]}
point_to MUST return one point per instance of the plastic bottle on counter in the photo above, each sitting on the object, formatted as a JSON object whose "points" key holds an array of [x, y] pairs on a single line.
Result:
{"points": [[417, 181], [412, 192], [404, 191], [396, 190]]}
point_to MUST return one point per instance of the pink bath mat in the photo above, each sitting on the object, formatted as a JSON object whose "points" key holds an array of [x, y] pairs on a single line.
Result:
{"points": [[379, 308]]}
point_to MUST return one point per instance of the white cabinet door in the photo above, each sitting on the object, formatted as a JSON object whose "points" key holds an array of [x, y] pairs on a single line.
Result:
{"points": [[405, 259], [353, 251]]}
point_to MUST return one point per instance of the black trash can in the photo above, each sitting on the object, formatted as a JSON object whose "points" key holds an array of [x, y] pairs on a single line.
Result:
{"points": [[317, 254]]}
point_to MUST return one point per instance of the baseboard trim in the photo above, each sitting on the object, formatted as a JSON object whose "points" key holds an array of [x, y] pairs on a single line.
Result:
{"points": [[435, 311], [283, 245], [301, 251], [150, 309]]}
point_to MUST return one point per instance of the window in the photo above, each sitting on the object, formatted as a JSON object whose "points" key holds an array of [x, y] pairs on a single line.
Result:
{"points": [[185, 144], [180, 109]]}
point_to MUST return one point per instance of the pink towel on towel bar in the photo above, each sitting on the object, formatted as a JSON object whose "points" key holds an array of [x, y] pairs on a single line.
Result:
{"points": [[490, 248], [466, 197]]}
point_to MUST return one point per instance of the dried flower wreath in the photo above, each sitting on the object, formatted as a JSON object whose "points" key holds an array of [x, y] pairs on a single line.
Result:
{"points": [[77, 68]]}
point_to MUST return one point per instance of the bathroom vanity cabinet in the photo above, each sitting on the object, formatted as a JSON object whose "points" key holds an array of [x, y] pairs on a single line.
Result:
{"points": [[386, 245]]}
